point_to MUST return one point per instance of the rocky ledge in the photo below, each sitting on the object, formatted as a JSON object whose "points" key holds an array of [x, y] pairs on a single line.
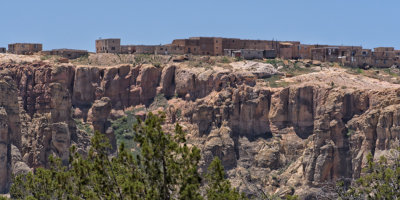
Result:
{"points": [[297, 139]]}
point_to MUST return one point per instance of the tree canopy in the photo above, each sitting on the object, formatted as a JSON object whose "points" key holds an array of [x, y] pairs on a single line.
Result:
{"points": [[379, 180], [165, 167]]}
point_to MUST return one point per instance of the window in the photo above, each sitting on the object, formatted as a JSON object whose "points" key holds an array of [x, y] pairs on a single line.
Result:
{"points": [[217, 47], [233, 41], [216, 41], [112, 48]]}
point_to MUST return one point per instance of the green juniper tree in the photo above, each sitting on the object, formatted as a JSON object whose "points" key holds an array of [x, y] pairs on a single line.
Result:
{"points": [[218, 187], [165, 168], [169, 165], [380, 180]]}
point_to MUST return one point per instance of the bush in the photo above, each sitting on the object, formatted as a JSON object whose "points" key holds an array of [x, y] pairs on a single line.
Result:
{"points": [[165, 168], [380, 180]]}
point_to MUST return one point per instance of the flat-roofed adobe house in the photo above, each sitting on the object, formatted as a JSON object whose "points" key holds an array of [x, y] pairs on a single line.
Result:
{"points": [[24, 48], [111, 45], [3, 50]]}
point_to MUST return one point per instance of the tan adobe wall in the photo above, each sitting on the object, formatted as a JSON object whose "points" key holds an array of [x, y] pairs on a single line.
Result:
{"points": [[169, 49], [128, 49], [25, 48], [381, 49], [145, 49], [108, 45]]}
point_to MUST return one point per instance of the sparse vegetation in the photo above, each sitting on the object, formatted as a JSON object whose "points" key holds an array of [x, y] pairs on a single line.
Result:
{"points": [[45, 57], [123, 129], [350, 132], [273, 62], [82, 60], [159, 101], [380, 180], [225, 60], [275, 81], [165, 168], [84, 126]]}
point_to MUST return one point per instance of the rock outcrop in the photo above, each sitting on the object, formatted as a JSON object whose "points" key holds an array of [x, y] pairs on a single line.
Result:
{"points": [[298, 139], [307, 135], [5, 152], [99, 117]]}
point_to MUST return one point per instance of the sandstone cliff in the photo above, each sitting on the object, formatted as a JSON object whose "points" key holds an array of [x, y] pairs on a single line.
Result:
{"points": [[295, 139]]}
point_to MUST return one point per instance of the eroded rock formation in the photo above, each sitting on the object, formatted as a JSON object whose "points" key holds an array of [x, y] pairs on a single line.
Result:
{"points": [[300, 138], [5, 152]]}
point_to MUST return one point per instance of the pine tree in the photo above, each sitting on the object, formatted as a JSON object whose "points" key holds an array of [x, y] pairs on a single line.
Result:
{"points": [[165, 168], [218, 187], [380, 180], [169, 165]]}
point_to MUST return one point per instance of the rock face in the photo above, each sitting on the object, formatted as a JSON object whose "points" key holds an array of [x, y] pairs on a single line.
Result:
{"points": [[99, 117], [304, 136], [18, 166], [86, 83], [5, 151], [318, 134]]}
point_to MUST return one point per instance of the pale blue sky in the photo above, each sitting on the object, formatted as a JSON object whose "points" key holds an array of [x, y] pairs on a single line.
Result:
{"points": [[77, 23]]}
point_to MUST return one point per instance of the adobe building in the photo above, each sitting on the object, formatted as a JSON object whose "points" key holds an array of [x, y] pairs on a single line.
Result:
{"points": [[362, 58], [247, 54], [145, 49], [235, 43], [215, 46], [305, 51], [169, 49], [67, 53], [24, 48], [285, 50], [111, 45], [128, 49], [3, 50], [383, 49], [200, 45], [269, 54], [384, 57], [325, 54]]}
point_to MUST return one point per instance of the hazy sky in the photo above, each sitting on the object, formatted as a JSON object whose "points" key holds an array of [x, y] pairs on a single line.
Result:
{"points": [[78, 23]]}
